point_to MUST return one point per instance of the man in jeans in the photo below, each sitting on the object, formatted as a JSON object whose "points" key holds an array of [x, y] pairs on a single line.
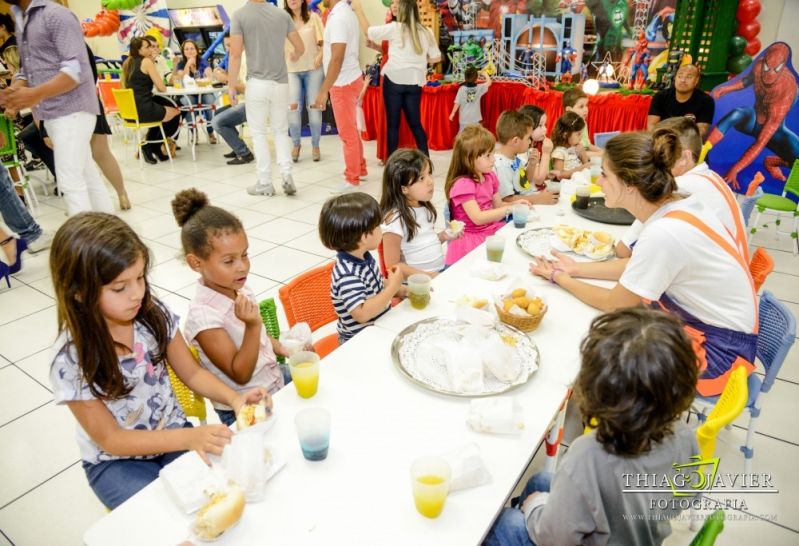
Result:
{"points": [[343, 81], [17, 217], [261, 29], [55, 79]]}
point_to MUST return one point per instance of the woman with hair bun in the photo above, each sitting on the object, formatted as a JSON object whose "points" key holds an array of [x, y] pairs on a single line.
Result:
{"points": [[685, 262]]}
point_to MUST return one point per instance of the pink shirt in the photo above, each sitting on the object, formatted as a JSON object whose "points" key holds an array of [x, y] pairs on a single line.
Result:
{"points": [[464, 190], [209, 309]]}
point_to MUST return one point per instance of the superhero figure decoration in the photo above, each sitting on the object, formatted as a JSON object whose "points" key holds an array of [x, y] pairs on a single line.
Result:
{"points": [[641, 58], [773, 82], [567, 57]]}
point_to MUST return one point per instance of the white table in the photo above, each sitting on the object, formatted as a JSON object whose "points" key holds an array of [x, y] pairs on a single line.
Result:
{"points": [[381, 421], [191, 108]]}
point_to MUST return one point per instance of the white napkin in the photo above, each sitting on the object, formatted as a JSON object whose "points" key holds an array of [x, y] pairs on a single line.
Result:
{"points": [[468, 468], [490, 271], [188, 478], [250, 463], [298, 338], [495, 415]]}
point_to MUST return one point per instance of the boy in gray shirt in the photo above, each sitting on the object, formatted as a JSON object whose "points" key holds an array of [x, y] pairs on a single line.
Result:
{"points": [[468, 98]]}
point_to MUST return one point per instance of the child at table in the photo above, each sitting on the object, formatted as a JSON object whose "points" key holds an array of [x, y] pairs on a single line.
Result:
{"points": [[467, 100], [223, 321], [575, 100], [638, 376], [110, 361], [539, 156], [472, 190], [350, 225], [568, 156], [515, 137], [409, 235]]}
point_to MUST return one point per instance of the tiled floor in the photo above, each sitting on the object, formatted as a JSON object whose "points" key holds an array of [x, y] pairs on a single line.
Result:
{"points": [[44, 497]]}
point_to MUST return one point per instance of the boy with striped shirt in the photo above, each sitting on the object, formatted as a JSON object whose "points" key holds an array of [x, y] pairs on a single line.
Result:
{"points": [[350, 225]]}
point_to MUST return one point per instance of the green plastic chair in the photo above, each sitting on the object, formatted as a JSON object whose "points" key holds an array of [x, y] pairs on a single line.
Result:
{"points": [[712, 528], [782, 205], [9, 148], [269, 316]]}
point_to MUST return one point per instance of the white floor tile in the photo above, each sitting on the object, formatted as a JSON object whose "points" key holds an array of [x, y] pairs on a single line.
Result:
{"points": [[280, 230], [310, 243], [256, 245], [19, 394], [45, 286], [21, 300], [250, 218], [57, 512], [38, 367], [172, 275], [34, 266], [282, 263], [157, 226], [309, 215], [778, 408], [4, 362], [785, 262], [49, 447], [790, 368], [784, 286], [177, 303], [281, 205], [28, 335]]}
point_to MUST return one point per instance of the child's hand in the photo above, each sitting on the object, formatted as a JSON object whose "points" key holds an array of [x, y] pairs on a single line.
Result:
{"points": [[402, 293], [258, 395], [209, 439], [394, 281], [555, 173], [545, 197], [278, 347], [534, 157], [547, 146], [246, 311]]}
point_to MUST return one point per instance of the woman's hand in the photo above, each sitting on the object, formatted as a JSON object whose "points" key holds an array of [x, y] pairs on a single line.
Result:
{"points": [[545, 268], [209, 439], [317, 61]]}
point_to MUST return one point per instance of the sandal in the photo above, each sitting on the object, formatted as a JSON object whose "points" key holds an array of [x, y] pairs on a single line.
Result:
{"points": [[295, 154], [316, 153]]}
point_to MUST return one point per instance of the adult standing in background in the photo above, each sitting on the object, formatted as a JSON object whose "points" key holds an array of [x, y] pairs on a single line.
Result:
{"points": [[305, 76], [684, 99], [261, 30], [56, 81], [410, 48], [343, 80], [6, 32]]}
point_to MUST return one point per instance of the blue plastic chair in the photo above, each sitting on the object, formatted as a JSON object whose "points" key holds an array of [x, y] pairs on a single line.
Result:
{"points": [[748, 204], [777, 335]]}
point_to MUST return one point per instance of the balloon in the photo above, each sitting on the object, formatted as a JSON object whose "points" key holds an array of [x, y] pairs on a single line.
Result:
{"points": [[738, 64], [752, 47], [737, 45], [747, 10], [387, 3], [749, 30], [105, 24], [120, 4]]}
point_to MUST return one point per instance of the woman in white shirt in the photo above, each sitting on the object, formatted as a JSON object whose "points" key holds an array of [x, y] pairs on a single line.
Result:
{"points": [[685, 261], [410, 48], [305, 76]]}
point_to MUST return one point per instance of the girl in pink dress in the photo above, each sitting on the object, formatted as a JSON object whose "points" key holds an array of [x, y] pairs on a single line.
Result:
{"points": [[471, 191]]}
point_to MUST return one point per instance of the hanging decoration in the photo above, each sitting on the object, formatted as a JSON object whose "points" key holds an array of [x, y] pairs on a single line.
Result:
{"points": [[105, 23], [746, 44], [120, 4], [140, 20]]}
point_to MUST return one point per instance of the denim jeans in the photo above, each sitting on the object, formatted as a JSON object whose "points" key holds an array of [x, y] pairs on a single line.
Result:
{"points": [[510, 529], [116, 481], [228, 417], [268, 99], [398, 99], [303, 88], [206, 99], [226, 122], [14, 213]]}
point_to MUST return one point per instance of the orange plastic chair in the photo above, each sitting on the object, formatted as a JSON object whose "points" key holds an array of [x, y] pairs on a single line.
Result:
{"points": [[754, 184], [307, 299], [105, 87], [381, 261], [760, 267]]}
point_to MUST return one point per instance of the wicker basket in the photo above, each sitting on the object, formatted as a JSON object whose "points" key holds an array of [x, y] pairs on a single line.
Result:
{"points": [[525, 324]]}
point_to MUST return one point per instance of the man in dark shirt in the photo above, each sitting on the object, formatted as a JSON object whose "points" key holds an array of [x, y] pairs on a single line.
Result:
{"points": [[684, 99], [7, 38]]}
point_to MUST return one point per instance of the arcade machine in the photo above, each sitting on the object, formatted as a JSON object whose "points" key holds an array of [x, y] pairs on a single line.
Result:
{"points": [[205, 25]]}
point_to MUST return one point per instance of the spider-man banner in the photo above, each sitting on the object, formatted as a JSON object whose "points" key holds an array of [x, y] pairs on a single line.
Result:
{"points": [[756, 122]]}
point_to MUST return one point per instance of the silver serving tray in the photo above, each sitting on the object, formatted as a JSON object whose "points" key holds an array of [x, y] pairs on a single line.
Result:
{"points": [[536, 242], [435, 378]]}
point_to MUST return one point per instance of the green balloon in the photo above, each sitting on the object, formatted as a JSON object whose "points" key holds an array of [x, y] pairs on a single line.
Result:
{"points": [[738, 64], [387, 3], [737, 45]]}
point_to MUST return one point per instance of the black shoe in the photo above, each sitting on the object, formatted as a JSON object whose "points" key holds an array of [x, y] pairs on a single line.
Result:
{"points": [[160, 155], [229, 155], [249, 158], [149, 155]]}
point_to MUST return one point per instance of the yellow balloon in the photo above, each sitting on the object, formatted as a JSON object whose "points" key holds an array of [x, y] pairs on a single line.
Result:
{"points": [[155, 33]]}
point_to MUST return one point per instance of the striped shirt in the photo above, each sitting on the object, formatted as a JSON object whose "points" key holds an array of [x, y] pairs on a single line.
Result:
{"points": [[354, 281]]}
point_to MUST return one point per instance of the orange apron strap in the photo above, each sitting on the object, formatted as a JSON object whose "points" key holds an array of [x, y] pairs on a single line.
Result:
{"points": [[727, 247], [740, 234]]}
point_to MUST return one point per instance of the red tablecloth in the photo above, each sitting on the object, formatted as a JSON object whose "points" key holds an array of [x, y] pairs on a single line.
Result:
{"points": [[607, 112]]}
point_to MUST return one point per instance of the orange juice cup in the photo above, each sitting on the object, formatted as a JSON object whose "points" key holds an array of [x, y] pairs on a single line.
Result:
{"points": [[304, 368], [430, 478]]}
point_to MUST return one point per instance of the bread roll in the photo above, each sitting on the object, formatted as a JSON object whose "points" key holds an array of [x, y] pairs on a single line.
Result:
{"points": [[222, 511], [249, 415]]}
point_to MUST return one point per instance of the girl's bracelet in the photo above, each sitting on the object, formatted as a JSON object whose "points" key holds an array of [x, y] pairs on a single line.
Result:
{"points": [[552, 275]]}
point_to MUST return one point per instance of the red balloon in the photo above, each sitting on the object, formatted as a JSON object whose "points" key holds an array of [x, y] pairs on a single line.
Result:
{"points": [[747, 10], [752, 47], [749, 30]]}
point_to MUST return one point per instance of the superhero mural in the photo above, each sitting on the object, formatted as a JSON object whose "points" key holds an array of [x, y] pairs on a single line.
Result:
{"points": [[756, 121]]}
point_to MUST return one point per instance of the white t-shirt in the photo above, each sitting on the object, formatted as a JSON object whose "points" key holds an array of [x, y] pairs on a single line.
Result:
{"points": [[673, 257], [404, 65], [569, 156], [694, 182], [342, 28], [424, 251]]}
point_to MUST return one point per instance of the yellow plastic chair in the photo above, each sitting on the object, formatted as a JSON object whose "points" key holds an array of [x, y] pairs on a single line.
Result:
{"points": [[192, 403], [130, 120], [730, 405]]}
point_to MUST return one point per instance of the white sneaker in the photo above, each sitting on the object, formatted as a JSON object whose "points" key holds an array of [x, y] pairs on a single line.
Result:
{"points": [[288, 185], [344, 187], [43, 242], [262, 189], [363, 177]]}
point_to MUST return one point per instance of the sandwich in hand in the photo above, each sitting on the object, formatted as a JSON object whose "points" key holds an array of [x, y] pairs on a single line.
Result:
{"points": [[250, 414], [222, 511]]}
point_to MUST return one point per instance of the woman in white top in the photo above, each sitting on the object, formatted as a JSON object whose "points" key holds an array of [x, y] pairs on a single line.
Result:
{"points": [[685, 261], [305, 76], [410, 48]]}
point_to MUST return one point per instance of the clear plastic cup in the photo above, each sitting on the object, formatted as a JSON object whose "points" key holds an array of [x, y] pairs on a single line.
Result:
{"points": [[521, 213], [304, 369], [495, 247], [430, 479], [313, 431], [419, 290], [583, 194]]}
